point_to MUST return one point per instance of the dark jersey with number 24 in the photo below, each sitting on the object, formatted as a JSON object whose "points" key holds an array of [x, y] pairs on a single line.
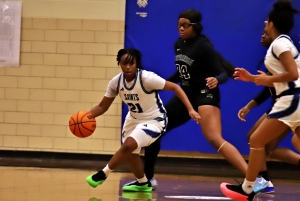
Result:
{"points": [[195, 61]]}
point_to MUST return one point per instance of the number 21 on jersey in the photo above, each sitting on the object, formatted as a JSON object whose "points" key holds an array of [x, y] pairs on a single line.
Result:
{"points": [[182, 69], [136, 108]]}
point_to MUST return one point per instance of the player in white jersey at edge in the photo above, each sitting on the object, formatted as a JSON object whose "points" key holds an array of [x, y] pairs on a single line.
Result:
{"points": [[146, 119], [283, 62]]}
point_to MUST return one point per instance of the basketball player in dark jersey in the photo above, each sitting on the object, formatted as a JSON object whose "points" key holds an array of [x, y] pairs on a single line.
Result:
{"points": [[199, 71]]}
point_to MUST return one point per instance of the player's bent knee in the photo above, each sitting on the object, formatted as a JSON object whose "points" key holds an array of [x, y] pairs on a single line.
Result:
{"points": [[215, 142], [129, 145], [268, 152], [249, 136], [254, 141]]}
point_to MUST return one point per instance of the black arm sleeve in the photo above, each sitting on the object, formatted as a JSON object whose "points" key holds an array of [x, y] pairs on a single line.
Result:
{"points": [[262, 96], [213, 60], [174, 77]]}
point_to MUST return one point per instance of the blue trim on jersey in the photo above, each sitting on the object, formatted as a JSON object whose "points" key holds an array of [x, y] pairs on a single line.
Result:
{"points": [[122, 136], [165, 120], [124, 82], [165, 123], [162, 110], [291, 85], [159, 119], [151, 133], [288, 111], [119, 80], [141, 82], [158, 103], [295, 57]]}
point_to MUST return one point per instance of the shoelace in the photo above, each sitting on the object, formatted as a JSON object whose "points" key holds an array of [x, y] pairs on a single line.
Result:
{"points": [[240, 183]]}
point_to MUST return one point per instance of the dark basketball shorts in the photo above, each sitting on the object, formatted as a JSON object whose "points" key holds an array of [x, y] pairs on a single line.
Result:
{"points": [[207, 97]]}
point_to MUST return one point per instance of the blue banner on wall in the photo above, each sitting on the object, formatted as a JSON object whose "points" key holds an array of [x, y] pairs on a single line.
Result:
{"points": [[235, 28]]}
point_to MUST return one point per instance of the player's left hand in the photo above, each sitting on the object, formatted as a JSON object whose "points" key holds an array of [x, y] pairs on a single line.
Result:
{"points": [[262, 79], [211, 82], [195, 116]]}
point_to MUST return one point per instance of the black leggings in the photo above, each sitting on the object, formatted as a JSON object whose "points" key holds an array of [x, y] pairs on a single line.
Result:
{"points": [[177, 115]]}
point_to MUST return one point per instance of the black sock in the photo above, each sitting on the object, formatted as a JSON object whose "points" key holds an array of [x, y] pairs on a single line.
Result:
{"points": [[264, 174], [100, 175]]}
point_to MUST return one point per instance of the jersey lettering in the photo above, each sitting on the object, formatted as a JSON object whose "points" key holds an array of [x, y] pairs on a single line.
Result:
{"points": [[132, 97], [183, 72]]}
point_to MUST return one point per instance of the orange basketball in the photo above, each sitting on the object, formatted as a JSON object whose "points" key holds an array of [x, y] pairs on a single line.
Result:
{"points": [[82, 124]]}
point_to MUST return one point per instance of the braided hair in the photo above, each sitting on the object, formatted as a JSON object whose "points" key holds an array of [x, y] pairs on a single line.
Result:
{"points": [[132, 54]]}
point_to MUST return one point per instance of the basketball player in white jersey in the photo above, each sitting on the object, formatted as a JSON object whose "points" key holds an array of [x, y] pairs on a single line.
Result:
{"points": [[283, 62], [146, 119]]}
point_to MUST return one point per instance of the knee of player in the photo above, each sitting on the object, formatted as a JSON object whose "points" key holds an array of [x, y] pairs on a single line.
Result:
{"points": [[248, 137], [268, 151], [296, 134], [215, 142], [129, 145], [295, 140], [255, 142]]}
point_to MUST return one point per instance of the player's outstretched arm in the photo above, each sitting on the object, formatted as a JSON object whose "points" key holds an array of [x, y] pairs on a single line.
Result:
{"points": [[261, 97], [102, 107], [182, 96], [243, 75], [246, 109]]}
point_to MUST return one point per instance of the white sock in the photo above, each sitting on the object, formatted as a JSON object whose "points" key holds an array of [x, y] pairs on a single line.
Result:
{"points": [[248, 186], [142, 180], [106, 170]]}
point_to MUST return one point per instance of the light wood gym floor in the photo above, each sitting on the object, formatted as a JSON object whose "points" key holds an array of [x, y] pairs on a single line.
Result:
{"points": [[43, 184]]}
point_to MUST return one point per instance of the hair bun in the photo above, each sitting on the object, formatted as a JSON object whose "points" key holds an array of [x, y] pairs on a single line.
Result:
{"points": [[284, 5]]}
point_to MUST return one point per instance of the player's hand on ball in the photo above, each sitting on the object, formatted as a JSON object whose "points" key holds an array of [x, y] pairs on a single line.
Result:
{"points": [[195, 116]]}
